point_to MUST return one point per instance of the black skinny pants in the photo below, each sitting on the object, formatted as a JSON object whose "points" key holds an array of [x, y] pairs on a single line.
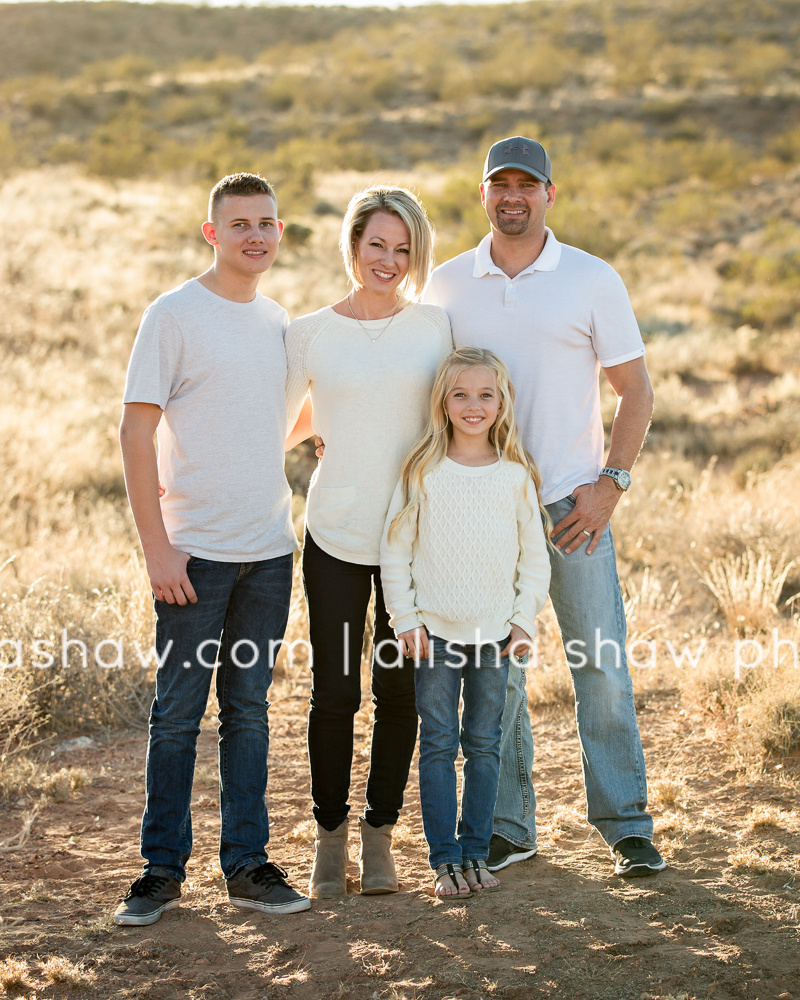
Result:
{"points": [[338, 593]]}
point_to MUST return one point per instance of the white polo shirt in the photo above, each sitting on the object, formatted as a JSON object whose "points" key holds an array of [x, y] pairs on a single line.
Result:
{"points": [[554, 325]]}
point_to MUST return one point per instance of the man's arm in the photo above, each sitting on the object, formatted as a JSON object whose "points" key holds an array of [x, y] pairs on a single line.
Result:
{"points": [[596, 501], [166, 566], [302, 429]]}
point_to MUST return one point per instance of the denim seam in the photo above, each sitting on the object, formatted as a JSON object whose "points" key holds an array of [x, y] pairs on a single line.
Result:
{"points": [[521, 763], [223, 720]]}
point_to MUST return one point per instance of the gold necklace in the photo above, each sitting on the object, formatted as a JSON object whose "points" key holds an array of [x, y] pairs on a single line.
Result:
{"points": [[368, 333]]}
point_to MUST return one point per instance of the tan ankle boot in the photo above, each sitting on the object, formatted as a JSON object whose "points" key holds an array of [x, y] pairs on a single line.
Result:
{"points": [[375, 860], [329, 874]]}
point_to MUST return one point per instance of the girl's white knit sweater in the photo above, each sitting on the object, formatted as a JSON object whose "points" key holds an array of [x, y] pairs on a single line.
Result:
{"points": [[370, 402], [475, 562]]}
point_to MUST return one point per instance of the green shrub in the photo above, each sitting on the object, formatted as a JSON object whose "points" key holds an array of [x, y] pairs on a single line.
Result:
{"points": [[122, 146], [762, 286], [755, 65], [129, 67]]}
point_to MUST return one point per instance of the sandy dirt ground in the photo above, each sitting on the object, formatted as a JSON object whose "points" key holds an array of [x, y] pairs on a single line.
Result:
{"points": [[721, 922]]}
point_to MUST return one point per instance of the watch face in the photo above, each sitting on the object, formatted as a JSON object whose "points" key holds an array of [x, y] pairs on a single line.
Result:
{"points": [[623, 479]]}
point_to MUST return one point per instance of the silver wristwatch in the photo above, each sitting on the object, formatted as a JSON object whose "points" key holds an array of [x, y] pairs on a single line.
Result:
{"points": [[621, 477]]}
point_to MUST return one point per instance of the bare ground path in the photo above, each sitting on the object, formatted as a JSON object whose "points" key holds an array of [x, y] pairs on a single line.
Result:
{"points": [[722, 922]]}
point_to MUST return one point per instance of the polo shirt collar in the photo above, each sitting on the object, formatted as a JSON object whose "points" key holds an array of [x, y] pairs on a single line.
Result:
{"points": [[546, 261]]}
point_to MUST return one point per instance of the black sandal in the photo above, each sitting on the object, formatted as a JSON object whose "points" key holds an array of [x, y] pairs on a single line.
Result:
{"points": [[450, 870], [479, 866]]}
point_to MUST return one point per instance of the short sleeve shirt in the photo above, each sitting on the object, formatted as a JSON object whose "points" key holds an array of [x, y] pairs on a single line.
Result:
{"points": [[555, 325], [217, 369]]}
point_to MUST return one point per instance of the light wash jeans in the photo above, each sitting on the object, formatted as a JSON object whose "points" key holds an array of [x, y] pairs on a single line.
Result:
{"points": [[438, 688], [587, 600], [244, 603]]}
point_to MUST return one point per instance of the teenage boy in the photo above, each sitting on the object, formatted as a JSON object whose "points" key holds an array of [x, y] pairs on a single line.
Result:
{"points": [[207, 375], [556, 316]]}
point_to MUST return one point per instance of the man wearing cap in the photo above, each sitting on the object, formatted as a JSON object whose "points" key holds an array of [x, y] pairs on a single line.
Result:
{"points": [[557, 315]]}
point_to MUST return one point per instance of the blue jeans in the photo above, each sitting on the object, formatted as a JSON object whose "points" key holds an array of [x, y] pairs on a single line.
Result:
{"points": [[239, 619], [438, 687], [587, 600]]}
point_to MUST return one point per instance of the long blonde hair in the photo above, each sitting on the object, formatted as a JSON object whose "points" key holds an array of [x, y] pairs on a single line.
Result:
{"points": [[430, 450]]}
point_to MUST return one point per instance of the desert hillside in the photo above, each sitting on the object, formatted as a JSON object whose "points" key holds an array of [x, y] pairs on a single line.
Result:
{"points": [[673, 129]]}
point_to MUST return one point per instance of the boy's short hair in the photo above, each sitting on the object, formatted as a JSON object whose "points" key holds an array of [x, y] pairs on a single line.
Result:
{"points": [[238, 184]]}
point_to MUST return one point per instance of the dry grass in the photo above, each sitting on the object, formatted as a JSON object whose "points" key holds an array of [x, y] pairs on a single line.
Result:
{"points": [[38, 892], [303, 833], [14, 975], [208, 776], [69, 561], [292, 662], [765, 817], [22, 837], [565, 821], [18, 775], [62, 972], [665, 792], [60, 785], [748, 588], [759, 861]]}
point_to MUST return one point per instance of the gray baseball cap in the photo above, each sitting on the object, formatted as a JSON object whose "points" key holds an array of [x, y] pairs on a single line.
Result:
{"points": [[523, 154]]}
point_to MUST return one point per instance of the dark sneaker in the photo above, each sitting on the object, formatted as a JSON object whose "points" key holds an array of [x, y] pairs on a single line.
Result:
{"points": [[264, 887], [503, 853], [636, 856], [148, 897]]}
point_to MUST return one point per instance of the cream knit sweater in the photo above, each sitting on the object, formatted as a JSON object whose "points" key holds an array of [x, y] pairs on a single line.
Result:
{"points": [[475, 562], [371, 401]]}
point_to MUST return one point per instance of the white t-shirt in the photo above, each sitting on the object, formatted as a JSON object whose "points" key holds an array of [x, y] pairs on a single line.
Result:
{"points": [[370, 404], [474, 562], [555, 325], [217, 369]]}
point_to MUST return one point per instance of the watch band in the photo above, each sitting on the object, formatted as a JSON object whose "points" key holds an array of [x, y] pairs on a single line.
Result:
{"points": [[621, 477]]}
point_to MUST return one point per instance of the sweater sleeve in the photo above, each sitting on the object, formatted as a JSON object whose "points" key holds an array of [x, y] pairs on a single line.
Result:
{"points": [[533, 568], [399, 592], [297, 381]]}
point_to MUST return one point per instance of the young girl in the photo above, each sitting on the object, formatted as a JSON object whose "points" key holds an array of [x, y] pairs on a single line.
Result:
{"points": [[465, 571]]}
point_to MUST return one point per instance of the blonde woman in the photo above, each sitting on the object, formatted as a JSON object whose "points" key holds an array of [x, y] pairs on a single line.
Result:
{"points": [[465, 571], [369, 363]]}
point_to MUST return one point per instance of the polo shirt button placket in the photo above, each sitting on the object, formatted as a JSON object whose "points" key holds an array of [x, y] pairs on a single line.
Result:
{"points": [[510, 298]]}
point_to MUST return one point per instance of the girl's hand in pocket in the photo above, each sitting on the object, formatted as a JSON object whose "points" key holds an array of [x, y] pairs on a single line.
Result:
{"points": [[520, 644], [414, 643]]}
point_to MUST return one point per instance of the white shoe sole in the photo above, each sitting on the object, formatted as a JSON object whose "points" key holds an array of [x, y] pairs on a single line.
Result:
{"points": [[639, 871], [296, 906], [520, 855], [141, 920]]}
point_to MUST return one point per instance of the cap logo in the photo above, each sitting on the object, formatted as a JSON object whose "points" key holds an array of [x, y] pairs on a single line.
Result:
{"points": [[507, 149]]}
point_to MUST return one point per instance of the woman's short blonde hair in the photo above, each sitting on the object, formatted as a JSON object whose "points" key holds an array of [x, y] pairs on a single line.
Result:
{"points": [[406, 206]]}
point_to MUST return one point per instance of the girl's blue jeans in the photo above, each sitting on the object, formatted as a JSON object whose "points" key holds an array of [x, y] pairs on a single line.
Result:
{"points": [[241, 609], [481, 674]]}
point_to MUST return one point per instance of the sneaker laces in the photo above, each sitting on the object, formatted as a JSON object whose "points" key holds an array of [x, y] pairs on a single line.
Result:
{"points": [[268, 874], [147, 885]]}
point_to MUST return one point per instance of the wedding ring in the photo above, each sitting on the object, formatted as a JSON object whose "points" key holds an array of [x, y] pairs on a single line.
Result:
{"points": [[587, 532]]}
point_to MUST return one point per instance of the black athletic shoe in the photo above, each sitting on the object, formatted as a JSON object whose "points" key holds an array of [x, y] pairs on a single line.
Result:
{"points": [[264, 887], [636, 856], [148, 897], [503, 853]]}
